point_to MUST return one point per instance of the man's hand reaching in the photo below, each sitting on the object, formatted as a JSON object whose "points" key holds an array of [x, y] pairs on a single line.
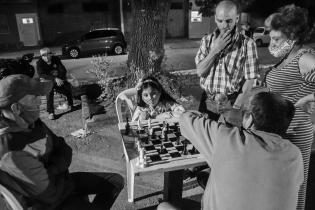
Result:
{"points": [[59, 82]]}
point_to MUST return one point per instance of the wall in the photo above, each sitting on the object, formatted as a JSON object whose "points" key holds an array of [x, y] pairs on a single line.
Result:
{"points": [[12, 39], [62, 21]]}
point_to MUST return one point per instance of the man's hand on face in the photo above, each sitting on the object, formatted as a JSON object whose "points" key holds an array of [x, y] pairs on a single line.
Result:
{"points": [[221, 41], [59, 81]]}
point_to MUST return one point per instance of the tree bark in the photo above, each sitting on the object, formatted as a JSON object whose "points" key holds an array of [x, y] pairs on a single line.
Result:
{"points": [[147, 36]]}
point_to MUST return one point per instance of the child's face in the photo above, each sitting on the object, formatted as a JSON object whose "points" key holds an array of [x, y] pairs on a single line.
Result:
{"points": [[151, 96]]}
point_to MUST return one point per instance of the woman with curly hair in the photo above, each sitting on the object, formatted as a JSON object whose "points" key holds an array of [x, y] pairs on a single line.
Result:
{"points": [[294, 76]]}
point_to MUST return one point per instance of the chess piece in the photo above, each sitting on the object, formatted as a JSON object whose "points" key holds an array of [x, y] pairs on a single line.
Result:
{"points": [[149, 123], [139, 124], [127, 127], [150, 129], [185, 151], [193, 150], [178, 140], [141, 157], [162, 149], [163, 130]]}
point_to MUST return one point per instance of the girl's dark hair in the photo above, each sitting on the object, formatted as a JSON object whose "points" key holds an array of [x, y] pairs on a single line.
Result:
{"points": [[152, 82], [293, 22]]}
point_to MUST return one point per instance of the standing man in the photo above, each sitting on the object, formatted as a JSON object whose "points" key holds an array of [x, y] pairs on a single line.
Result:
{"points": [[252, 167], [49, 67], [226, 62]]}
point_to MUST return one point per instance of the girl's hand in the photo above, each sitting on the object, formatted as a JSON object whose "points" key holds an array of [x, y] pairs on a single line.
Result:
{"points": [[306, 103], [164, 115]]}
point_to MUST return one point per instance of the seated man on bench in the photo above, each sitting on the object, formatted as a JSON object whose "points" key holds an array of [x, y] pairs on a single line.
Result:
{"points": [[49, 67]]}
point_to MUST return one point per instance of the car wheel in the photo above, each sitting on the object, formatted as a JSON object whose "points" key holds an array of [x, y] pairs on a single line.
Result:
{"points": [[259, 42], [118, 49], [74, 53]]}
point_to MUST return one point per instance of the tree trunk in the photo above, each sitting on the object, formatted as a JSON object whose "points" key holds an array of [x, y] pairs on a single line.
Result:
{"points": [[147, 37]]}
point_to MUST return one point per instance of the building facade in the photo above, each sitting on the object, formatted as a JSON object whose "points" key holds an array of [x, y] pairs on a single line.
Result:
{"points": [[29, 23]]}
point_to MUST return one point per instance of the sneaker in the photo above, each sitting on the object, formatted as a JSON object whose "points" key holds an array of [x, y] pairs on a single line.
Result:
{"points": [[51, 116], [63, 107]]}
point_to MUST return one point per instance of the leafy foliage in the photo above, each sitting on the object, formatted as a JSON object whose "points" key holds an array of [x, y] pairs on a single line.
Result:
{"points": [[110, 86], [207, 7]]}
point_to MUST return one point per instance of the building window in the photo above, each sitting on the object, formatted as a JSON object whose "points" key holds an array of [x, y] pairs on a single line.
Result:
{"points": [[177, 5], [4, 25], [55, 8], [94, 6]]}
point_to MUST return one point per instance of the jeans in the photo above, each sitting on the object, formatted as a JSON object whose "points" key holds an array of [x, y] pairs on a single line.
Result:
{"points": [[64, 89], [105, 186]]}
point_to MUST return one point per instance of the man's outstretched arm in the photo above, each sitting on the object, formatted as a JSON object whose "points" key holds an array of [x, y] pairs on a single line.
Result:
{"points": [[200, 131]]}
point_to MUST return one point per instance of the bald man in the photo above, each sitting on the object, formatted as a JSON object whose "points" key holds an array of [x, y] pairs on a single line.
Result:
{"points": [[227, 64]]}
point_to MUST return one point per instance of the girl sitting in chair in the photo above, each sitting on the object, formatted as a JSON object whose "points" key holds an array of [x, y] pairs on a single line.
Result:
{"points": [[153, 102]]}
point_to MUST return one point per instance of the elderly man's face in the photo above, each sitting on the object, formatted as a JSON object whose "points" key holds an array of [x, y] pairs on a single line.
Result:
{"points": [[47, 57], [226, 18]]}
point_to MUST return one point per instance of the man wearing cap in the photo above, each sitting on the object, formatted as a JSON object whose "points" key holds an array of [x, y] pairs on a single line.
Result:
{"points": [[34, 161], [49, 67]]}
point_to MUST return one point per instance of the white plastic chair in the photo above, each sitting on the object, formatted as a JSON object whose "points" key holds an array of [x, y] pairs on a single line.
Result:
{"points": [[12, 199], [129, 97]]}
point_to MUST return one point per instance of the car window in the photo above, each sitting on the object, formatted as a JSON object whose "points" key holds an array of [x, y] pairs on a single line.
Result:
{"points": [[266, 32], [259, 30], [109, 33], [93, 35]]}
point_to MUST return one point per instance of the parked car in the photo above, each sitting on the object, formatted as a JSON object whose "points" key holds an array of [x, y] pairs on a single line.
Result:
{"points": [[109, 40], [261, 36]]}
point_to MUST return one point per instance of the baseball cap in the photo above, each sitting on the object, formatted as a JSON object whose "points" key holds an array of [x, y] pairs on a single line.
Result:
{"points": [[45, 51], [15, 87]]}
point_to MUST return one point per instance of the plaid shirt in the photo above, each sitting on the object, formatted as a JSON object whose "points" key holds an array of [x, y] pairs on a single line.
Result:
{"points": [[237, 61]]}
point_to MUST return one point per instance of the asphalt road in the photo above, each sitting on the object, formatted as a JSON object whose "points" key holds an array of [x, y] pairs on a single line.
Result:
{"points": [[175, 59]]}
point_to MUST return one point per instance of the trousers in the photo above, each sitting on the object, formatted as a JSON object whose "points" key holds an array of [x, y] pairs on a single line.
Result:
{"points": [[64, 89]]}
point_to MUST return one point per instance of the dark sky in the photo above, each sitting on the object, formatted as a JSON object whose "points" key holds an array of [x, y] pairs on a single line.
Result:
{"points": [[266, 7]]}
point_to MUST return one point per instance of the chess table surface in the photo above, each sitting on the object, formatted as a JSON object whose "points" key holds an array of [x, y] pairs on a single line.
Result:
{"points": [[172, 155]]}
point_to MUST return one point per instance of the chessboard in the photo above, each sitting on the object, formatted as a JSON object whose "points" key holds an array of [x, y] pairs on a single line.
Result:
{"points": [[161, 142]]}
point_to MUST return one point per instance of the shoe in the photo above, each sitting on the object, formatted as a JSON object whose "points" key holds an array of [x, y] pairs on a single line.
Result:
{"points": [[51, 116]]}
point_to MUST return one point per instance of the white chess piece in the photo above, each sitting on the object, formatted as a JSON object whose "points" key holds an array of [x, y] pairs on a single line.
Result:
{"points": [[141, 157], [139, 124]]}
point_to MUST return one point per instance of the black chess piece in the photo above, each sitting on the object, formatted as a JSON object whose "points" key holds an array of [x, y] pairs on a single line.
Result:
{"points": [[193, 150], [185, 151], [161, 149], [178, 140], [127, 127]]}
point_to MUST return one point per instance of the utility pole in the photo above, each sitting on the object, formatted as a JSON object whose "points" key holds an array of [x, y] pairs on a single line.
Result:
{"points": [[122, 25]]}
